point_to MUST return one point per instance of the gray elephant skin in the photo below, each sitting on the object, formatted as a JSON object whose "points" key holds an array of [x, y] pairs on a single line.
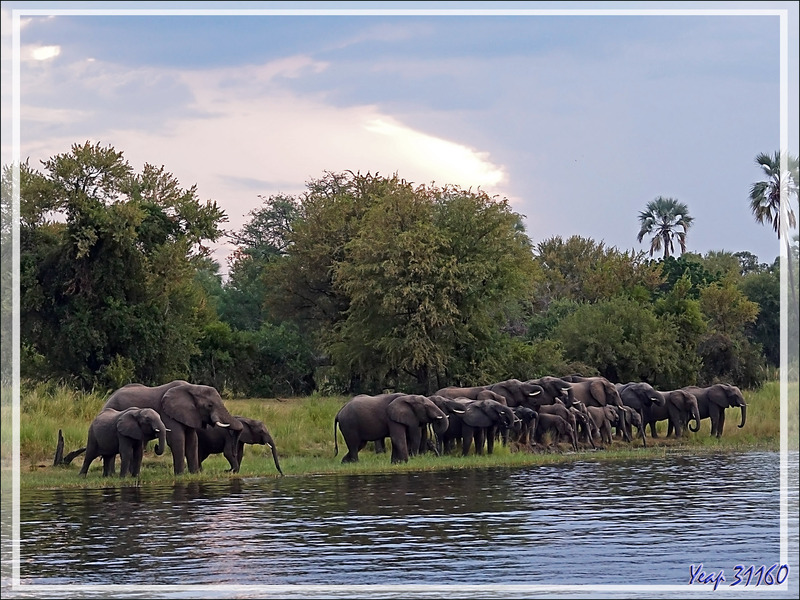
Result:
{"points": [[713, 400], [125, 433], [679, 407], [397, 416], [223, 440], [184, 408], [515, 392], [641, 397], [548, 423], [480, 421], [596, 391]]}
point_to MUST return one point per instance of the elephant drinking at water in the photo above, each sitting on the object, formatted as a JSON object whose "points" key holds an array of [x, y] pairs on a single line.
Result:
{"points": [[216, 440], [184, 408]]}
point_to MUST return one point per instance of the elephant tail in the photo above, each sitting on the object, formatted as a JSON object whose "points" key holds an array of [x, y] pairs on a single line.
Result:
{"points": [[335, 437]]}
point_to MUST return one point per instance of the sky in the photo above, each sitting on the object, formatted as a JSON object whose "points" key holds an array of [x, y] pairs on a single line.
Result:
{"points": [[579, 117]]}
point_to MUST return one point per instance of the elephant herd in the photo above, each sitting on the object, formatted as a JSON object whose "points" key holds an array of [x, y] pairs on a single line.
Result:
{"points": [[191, 419], [571, 409]]}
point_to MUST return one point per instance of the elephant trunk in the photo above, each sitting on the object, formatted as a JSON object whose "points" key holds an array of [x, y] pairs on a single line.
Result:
{"points": [[162, 441], [440, 424], [696, 418], [275, 458], [744, 414]]}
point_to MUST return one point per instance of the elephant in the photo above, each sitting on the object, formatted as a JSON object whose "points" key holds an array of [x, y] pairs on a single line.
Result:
{"points": [[632, 419], [679, 406], [586, 429], [561, 426], [125, 433], [515, 392], [400, 417], [185, 408], [553, 388], [525, 422], [605, 418], [596, 391], [640, 396], [565, 413], [216, 440], [713, 400], [454, 408], [479, 422]]}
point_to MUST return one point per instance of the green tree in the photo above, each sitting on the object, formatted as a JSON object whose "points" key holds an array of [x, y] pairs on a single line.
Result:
{"points": [[765, 202], [665, 219], [583, 270], [624, 340], [764, 288], [108, 262]]}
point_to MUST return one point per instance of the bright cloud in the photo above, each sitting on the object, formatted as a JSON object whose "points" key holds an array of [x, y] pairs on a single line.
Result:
{"points": [[39, 52]]}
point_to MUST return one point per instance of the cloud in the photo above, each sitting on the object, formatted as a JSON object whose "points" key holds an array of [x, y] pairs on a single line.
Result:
{"points": [[38, 53]]}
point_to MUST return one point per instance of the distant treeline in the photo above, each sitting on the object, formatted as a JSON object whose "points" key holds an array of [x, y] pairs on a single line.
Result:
{"points": [[360, 284]]}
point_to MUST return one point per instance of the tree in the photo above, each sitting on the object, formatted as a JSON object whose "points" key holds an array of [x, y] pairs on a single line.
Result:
{"points": [[665, 219], [765, 202], [108, 289]]}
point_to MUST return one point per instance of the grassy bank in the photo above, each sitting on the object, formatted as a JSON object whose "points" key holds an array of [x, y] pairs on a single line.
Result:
{"points": [[303, 432]]}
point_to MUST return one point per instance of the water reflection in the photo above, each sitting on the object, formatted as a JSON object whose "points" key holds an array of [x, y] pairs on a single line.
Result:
{"points": [[613, 523]]}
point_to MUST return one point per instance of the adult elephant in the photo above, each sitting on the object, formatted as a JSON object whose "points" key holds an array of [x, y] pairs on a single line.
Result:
{"points": [[679, 407], [596, 391], [454, 408], [640, 396], [553, 389], [515, 392], [713, 400], [399, 417], [125, 433], [222, 440], [184, 408], [480, 421]]}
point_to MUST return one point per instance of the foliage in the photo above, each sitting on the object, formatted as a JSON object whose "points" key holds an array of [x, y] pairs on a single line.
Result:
{"points": [[624, 340], [665, 219], [583, 270], [404, 284], [107, 280], [764, 288]]}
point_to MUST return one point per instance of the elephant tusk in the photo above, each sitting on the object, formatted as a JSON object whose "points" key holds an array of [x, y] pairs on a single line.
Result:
{"points": [[536, 393], [223, 424], [439, 417], [458, 412], [270, 445], [565, 390], [167, 429]]}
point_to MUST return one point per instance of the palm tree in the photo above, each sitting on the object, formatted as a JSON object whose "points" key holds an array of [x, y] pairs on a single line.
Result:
{"points": [[662, 219], [765, 196], [765, 202]]}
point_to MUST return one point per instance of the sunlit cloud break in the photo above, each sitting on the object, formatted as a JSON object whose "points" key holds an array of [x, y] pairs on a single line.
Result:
{"points": [[455, 162], [40, 52]]}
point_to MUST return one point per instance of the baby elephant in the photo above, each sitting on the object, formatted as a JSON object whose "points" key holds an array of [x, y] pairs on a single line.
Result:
{"points": [[216, 440], [125, 433]]}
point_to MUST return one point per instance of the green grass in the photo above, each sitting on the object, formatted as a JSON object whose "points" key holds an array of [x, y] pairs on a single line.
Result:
{"points": [[303, 432]]}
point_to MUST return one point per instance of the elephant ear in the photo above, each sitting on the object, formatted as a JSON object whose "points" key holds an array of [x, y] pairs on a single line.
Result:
{"points": [[401, 410], [249, 429], [598, 390], [478, 415], [179, 403], [128, 425]]}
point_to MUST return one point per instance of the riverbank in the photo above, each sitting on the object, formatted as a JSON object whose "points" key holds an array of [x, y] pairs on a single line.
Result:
{"points": [[303, 432]]}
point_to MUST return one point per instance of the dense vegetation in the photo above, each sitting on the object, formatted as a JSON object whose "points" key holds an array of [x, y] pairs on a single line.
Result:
{"points": [[360, 284]]}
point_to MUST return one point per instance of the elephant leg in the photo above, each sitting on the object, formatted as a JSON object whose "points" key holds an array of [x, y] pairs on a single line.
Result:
{"points": [[490, 433], [108, 465], [721, 422], [653, 432], [192, 451], [414, 440], [480, 435], [177, 445], [380, 446], [138, 456], [91, 454], [466, 439], [713, 413], [399, 437], [239, 456]]}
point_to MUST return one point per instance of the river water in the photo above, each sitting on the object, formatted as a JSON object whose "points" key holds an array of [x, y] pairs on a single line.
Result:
{"points": [[633, 529]]}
